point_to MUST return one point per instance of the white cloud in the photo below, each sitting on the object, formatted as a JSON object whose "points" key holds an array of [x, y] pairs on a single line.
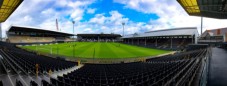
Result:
{"points": [[48, 11], [98, 19], [77, 14], [91, 11], [43, 13], [171, 14], [113, 24], [88, 30]]}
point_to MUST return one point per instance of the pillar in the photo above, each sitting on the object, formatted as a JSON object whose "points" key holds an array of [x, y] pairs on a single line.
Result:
{"points": [[138, 41], [132, 40], [156, 42], [171, 46], [1, 32]]}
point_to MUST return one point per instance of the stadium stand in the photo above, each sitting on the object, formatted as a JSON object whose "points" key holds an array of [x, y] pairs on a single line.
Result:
{"points": [[162, 43], [29, 60], [168, 39], [30, 35], [15, 61], [180, 69], [99, 37], [176, 70], [215, 37], [28, 39]]}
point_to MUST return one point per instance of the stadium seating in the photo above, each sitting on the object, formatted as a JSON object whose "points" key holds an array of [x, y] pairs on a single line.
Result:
{"points": [[45, 83], [28, 39], [33, 83], [69, 39], [171, 70], [26, 61], [18, 83], [162, 43], [167, 70], [1, 84]]}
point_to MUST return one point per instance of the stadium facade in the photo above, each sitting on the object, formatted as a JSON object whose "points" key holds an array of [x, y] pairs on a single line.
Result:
{"points": [[212, 9], [214, 37], [206, 8], [173, 38], [26, 35]]}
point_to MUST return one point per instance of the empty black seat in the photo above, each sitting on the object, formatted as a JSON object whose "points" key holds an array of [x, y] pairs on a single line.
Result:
{"points": [[45, 83], [18, 83], [33, 83], [1, 84]]}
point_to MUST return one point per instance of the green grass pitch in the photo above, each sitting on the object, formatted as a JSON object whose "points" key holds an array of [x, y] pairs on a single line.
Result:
{"points": [[98, 50]]}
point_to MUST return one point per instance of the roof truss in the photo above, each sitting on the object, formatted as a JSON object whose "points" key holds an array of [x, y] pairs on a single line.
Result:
{"points": [[205, 8], [7, 8]]}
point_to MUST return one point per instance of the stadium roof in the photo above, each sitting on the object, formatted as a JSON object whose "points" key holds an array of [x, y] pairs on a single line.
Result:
{"points": [[186, 31], [33, 29], [205, 8], [7, 7]]}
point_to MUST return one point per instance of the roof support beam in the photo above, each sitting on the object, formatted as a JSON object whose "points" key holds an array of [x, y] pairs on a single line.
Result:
{"points": [[205, 8], [1, 1], [7, 7], [0, 32]]}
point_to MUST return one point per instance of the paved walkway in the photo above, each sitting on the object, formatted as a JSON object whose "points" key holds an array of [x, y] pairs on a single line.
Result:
{"points": [[218, 68], [60, 73]]}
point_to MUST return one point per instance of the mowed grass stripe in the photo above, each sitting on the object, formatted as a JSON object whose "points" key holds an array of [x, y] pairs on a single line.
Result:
{"points": [[89, 51], [102, 50], [82, 48], [97, 50], [79, 48], [141, 51], [133, 50], [107, 51], [121, 53]]}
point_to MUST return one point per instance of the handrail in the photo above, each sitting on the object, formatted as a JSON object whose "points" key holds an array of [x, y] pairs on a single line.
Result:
{"points": [[201, 53], [204, 72]]}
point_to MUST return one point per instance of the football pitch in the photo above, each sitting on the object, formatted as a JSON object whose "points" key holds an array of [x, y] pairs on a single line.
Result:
{"points": [[96, 50]]}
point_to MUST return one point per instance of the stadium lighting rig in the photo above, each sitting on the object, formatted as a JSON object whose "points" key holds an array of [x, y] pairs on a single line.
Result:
{"points": [[123, 24], [73, 28]]}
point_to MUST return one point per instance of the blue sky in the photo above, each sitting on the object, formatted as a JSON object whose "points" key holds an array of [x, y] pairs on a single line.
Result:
{"points": [[96, 16], [105, 6]]}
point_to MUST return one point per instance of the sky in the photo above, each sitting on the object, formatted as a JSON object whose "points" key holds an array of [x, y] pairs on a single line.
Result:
{"points": [[106, 16]]}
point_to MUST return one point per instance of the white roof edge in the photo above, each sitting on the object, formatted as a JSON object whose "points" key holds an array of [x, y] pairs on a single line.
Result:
{"points": [[158, 32], [177, 28], [37, 28]]}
